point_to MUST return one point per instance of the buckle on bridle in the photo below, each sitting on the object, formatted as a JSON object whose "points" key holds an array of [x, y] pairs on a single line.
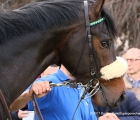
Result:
{"points": [[93, 91]]}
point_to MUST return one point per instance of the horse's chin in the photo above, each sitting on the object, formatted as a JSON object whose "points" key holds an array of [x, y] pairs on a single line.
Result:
{"points": [[101, 100]]}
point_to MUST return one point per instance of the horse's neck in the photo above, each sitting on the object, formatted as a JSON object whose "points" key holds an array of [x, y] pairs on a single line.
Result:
{"points": [[27, 57]]}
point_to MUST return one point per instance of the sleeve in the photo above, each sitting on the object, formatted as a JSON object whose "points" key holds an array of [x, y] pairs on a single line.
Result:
{"points": [[30, 106], [129, 118], [92, 115], [133, 106], [14, 115]]}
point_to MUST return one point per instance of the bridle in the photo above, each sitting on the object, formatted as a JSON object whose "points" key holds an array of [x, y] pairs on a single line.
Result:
{"points": [[93, 59], [3, 101], [93, 63]]}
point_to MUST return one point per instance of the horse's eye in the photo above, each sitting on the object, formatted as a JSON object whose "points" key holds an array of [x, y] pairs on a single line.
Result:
{"points": [[105, 44]]}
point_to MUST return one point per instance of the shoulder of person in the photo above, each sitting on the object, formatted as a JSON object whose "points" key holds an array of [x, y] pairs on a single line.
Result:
{"points": [[131, 97], [127, 83], [130, 94]]}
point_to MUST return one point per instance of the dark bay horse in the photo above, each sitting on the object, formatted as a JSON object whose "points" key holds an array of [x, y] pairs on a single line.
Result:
{"points": [[43, 33]]}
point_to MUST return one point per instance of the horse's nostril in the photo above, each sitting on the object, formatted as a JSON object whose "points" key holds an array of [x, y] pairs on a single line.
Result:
{"points": [[121, 99], [123, 96]]}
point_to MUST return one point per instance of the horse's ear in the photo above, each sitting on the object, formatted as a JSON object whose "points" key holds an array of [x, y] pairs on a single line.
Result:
{"points": [[96, 7]]}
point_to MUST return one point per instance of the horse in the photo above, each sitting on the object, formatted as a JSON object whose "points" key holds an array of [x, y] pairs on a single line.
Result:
{"points": [[80, 35]]}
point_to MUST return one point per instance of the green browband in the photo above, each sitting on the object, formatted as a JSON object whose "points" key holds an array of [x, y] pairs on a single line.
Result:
{"points": [[98, 21]]}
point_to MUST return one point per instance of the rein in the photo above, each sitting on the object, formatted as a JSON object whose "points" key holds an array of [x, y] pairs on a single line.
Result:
{"points": [[36, 108], [3, 101]]}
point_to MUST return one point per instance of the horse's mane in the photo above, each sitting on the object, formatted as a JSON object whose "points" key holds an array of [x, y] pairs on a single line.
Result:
{"points": [[38, 16], [42, 16]]}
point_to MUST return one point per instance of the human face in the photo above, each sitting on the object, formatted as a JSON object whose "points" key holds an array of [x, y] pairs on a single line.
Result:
{"points": [[133, 61]]}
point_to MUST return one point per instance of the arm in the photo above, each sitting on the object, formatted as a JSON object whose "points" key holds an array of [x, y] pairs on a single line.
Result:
{"points": [[14, 115], [108, 116], [39, 88], [21, 101], [19, 114]]}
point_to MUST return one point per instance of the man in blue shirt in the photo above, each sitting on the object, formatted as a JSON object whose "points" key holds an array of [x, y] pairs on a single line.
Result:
{"points": [[58, 103]]}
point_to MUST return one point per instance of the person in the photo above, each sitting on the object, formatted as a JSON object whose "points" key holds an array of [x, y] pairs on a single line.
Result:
{"points": [[22, 113], [61, 102], [128, 110], [132, 76], [56, 103]]}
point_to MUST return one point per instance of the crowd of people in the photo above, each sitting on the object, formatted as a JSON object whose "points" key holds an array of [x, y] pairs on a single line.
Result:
{"points": [[55, 103]]}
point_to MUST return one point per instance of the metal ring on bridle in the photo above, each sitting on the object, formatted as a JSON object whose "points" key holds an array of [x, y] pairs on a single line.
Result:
{"points": [[94, 89]]}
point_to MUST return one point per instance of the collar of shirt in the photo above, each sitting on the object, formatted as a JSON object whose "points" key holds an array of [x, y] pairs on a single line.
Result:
{"points": [[64, 77], [61, 75], [134, 83]]}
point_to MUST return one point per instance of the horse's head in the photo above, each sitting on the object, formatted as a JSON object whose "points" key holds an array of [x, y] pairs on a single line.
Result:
{"points": [[94, 56]]}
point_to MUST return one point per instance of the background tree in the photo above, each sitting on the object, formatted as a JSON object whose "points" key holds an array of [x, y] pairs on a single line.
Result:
{"points": [[126, 14], [127, 17]]}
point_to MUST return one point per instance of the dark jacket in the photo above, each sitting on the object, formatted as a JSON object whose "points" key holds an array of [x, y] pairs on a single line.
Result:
{"points": [[128, 110], [14, 114]]}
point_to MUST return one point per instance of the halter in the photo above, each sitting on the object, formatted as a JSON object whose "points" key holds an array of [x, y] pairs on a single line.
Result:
{"points": [[92, 55], [93, 61]]}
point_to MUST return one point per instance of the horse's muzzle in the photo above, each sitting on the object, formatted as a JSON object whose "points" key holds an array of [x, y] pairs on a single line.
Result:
{"points": [[120, 100]]}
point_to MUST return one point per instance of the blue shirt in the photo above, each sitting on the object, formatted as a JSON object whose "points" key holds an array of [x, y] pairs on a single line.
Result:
{"points": [[61, 102]]}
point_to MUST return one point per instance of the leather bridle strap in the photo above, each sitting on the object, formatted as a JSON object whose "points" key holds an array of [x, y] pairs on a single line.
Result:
{"points": [[5, 105], [91, 55], [36, 108], [91, 51]]}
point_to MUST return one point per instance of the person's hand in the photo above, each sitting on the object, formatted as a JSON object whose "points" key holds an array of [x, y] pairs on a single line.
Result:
{"points": [[22, 114], [108, 116], [40, 89]]}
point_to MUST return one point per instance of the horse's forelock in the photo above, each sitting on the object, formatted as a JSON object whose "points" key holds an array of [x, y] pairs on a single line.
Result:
{"points": [[109, 23]]}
